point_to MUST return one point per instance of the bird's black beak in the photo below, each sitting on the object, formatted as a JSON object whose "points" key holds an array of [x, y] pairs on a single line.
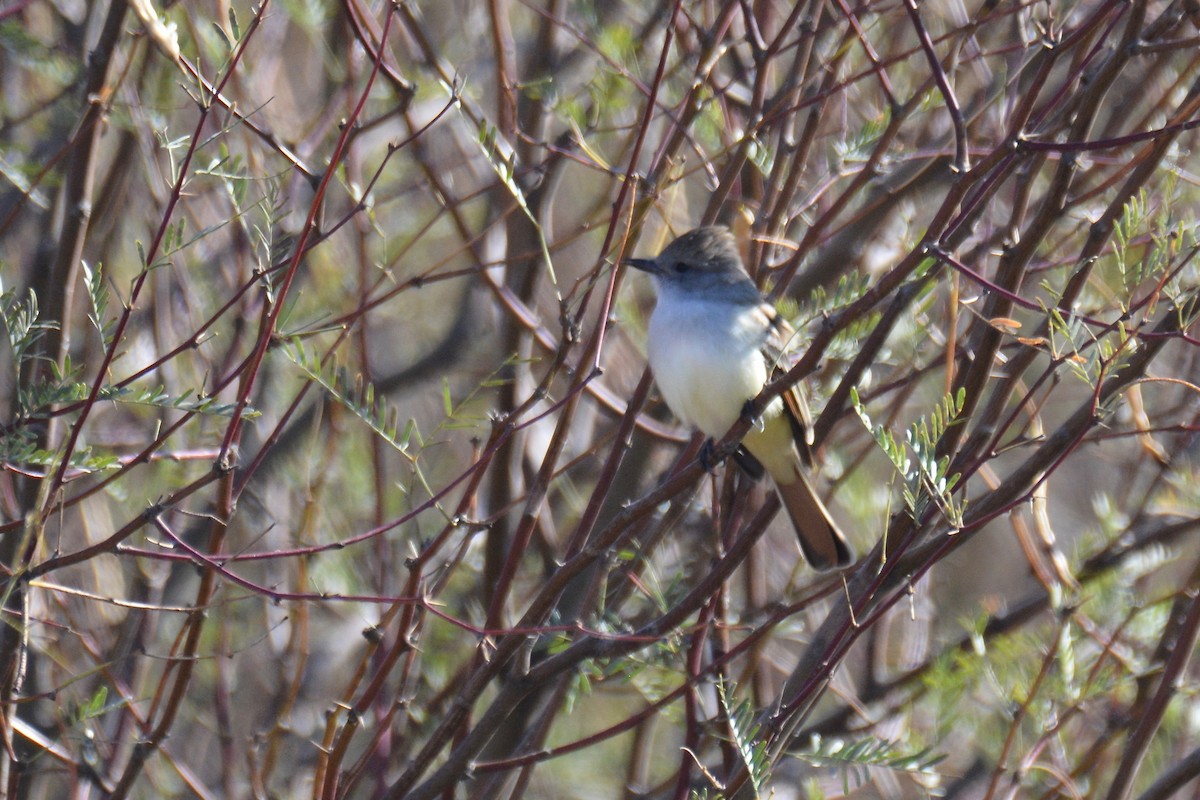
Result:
{"points": [[644, 264]]}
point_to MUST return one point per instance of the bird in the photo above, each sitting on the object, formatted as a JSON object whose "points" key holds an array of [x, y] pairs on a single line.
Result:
{"points": [[712, 343]]}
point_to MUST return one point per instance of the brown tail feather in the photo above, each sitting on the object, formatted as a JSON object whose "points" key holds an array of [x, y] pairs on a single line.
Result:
{"points": [[822, 543]]}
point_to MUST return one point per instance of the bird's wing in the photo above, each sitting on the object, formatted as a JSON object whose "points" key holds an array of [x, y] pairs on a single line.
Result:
{"points": [[780, 340]]}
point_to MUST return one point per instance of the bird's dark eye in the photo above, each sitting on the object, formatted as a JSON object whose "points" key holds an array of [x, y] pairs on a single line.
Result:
{"points": [[680, 267]]}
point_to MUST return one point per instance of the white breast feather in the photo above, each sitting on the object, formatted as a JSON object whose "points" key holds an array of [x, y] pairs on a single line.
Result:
{"points": [[706, 360]]}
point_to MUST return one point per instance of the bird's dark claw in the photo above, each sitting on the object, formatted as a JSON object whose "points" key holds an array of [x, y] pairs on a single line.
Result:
{"points": [[708, 456], [750, 411]]}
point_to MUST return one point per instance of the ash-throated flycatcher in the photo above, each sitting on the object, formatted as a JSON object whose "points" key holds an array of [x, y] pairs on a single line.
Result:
{"points": [[712, 343]]}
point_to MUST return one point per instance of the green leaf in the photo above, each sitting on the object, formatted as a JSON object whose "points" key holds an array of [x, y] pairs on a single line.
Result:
{"points": [[924, 474], [358, 397], [745, 733]]}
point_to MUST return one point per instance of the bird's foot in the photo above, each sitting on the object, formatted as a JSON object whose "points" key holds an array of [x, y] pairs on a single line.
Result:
{"points": [[708, 456]]}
